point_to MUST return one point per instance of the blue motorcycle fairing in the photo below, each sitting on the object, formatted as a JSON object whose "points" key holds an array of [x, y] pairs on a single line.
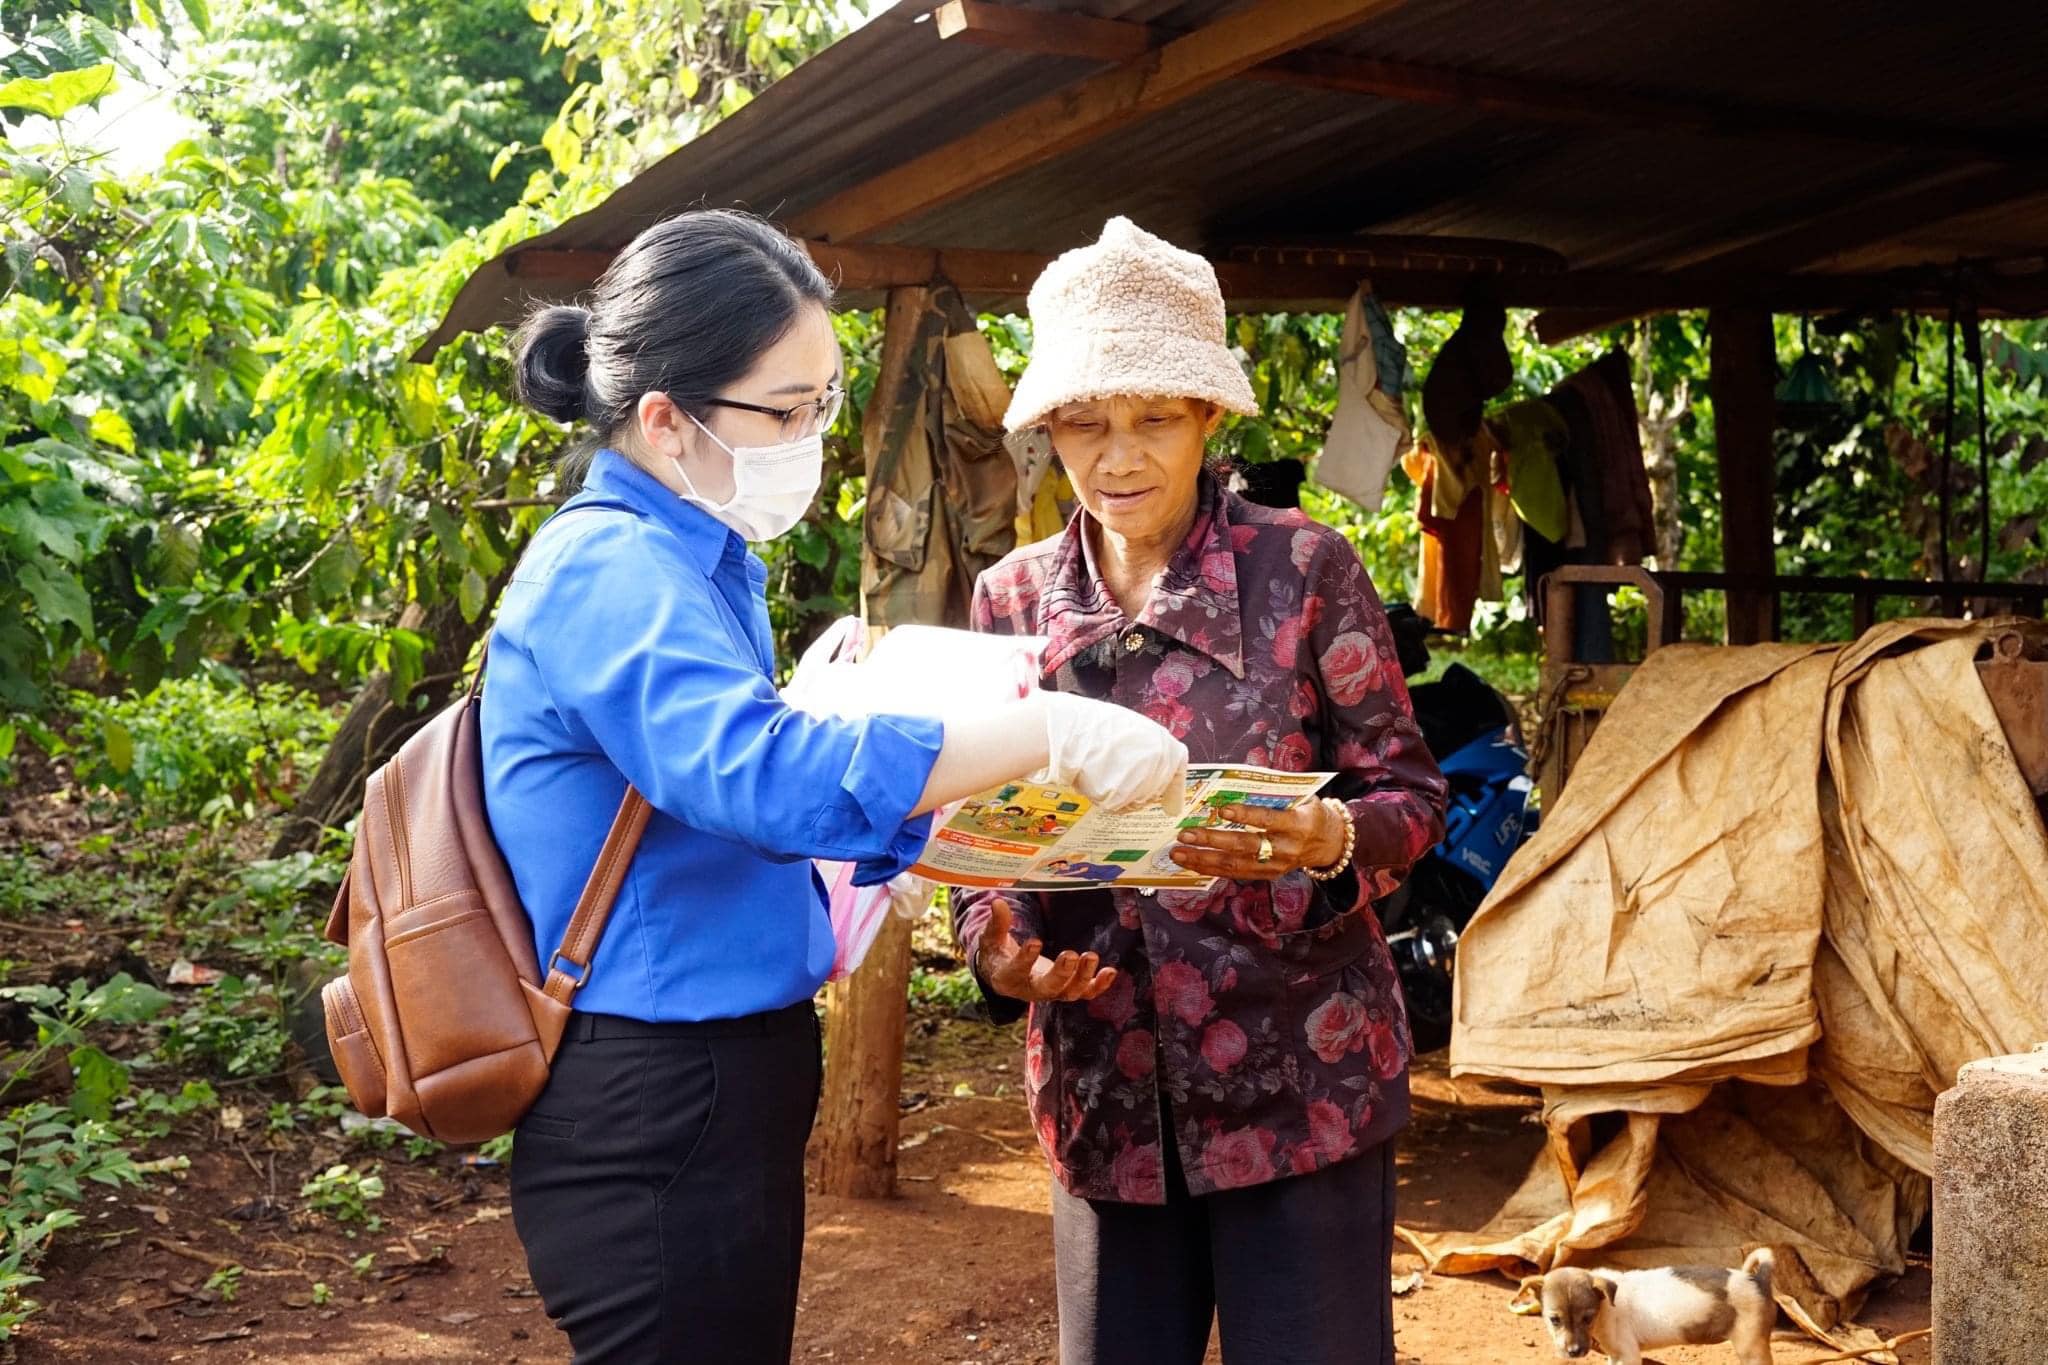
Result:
{"points": [[1488, 810]]}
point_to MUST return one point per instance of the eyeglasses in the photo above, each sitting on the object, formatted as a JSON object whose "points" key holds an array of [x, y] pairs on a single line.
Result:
{"points": [[799, 421]]}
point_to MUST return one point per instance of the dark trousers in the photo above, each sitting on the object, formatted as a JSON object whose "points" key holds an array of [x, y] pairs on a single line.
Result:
{"points": [[1295, 1271], [658, 1186]]}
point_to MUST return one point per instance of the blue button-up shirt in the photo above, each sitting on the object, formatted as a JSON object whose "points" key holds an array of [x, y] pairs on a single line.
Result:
{"points": [[633, 645]]}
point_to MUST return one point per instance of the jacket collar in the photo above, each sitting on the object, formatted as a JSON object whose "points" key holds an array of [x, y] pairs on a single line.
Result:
{"points": [[614, 477], [1195, 600]]}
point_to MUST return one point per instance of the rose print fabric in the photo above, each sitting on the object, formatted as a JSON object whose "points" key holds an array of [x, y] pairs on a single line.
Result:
{"points": [[1267, 1012]]}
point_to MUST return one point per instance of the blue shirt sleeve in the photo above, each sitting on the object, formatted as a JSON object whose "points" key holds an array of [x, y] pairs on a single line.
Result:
{"points": [[640, 659]]}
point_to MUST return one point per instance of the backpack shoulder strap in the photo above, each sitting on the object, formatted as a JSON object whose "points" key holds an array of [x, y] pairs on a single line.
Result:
{"points": [[594, 906]]}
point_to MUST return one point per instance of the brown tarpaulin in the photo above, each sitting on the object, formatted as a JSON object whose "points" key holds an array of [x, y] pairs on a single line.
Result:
{"points": [[1790, 890]]}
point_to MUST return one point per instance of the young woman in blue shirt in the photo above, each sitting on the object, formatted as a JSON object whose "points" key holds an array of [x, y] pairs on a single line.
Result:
{"points": [[657, 1183]]}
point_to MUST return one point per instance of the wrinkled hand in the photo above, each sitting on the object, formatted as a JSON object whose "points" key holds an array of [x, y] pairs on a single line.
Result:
{"points": [[1022, 973], [1307, 835], [1112, 755]]}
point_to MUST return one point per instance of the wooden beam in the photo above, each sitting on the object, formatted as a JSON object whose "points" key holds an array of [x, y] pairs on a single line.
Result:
{"points": [[1742, 367], [1078, 114], [1113, 40], [1043, 34], [1320, 282], [1555, 325], [578, 264]]}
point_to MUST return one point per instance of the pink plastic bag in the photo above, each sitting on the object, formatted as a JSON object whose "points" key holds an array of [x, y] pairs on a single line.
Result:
{"points": [[857, 911]]}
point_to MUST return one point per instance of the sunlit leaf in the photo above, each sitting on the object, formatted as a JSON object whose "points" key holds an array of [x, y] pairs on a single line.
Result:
{"points": [[120, 746], [470, 596], [56, 95], [111, 428]]}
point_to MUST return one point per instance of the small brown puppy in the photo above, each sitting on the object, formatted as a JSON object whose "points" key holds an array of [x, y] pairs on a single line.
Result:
{"points": [[1626, 1312]]}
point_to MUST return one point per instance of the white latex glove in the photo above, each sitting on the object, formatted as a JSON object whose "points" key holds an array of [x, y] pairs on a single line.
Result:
{"points": [[1111, 754], [823, 682]]}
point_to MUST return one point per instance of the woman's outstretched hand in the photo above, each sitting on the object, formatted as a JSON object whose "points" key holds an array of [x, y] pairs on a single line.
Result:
{"points": [[1022, 972]]}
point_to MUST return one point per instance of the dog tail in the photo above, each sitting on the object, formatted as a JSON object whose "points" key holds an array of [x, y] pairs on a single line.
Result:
{"points": [[1758, 1267]]}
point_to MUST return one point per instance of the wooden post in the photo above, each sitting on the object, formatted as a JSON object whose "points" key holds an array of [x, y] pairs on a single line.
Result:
{"points": [[1743, 369], [865, 1014], [864, 1022]]}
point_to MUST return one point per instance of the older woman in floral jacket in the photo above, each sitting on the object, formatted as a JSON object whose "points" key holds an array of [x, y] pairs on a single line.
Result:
{"points": [[1216, 1076]]}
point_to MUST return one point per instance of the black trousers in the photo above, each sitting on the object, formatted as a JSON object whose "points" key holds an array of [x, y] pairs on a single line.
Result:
{"points": [[1294, 1272], [658, 1186]]}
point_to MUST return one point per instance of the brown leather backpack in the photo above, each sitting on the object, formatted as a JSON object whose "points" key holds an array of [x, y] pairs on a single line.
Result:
{"points": [[444, 1021]]}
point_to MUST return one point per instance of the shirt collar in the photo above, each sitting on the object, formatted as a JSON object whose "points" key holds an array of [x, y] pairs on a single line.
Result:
{"points": [[708, 539], [1195, 600]]}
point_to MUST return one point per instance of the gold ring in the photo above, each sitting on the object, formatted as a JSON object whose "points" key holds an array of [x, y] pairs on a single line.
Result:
{"points": [[1265, 849]]}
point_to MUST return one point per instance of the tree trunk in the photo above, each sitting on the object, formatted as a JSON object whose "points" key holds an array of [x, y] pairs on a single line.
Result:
{"points": [[858, 1117], [1660, 415], [375, 727]]}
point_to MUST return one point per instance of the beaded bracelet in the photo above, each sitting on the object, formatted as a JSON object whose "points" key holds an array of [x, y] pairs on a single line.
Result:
{"points": [[1323, 874]]}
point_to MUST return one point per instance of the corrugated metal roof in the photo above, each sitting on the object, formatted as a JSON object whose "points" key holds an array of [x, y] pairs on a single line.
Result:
{"points": [[1252, 160]]}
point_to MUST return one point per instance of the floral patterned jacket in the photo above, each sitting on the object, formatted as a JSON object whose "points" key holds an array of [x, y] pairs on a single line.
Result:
{"points": [[1269, 1012]]}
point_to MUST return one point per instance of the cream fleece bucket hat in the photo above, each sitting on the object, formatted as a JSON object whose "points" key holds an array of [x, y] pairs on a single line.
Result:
{"points": [[1131, 314]]}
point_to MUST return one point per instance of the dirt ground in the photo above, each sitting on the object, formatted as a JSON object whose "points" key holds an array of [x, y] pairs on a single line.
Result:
{"points": [[957, 1269]]}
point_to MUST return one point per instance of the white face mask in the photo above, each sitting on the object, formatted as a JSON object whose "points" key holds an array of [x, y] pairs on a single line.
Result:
{"points": [[772, 486]]}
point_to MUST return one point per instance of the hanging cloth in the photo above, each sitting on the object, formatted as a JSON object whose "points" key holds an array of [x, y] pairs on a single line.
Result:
{"points": [[1472, 367], [1045, 497], [1369, 428], [942, 490], [1610, 447], [1456, 550], [1534, 435]]}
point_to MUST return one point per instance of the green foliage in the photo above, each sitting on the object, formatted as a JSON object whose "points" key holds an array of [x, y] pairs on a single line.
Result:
{"points": [[31, 888], [425, 90], [235, 1026], [49, 1153], [199, 748], [225, 1282], [1859, 482], [950, 992], [345, 1195], [323, 1104], [649, 75], [47, 1157]]}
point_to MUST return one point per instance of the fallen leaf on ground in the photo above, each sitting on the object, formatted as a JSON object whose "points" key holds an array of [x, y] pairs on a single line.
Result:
{"points": [[228, 1334], [460, 1317], [1407, 1284]]}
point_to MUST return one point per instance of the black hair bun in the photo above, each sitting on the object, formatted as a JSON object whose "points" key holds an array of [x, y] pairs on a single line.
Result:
{"points": [[553, 372]]}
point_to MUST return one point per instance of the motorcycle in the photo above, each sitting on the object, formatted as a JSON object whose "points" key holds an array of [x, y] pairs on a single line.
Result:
{"points": [[1472, 732]]}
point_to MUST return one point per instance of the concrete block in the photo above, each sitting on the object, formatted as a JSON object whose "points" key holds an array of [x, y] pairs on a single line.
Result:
{"points": [[1991, 1214]]}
